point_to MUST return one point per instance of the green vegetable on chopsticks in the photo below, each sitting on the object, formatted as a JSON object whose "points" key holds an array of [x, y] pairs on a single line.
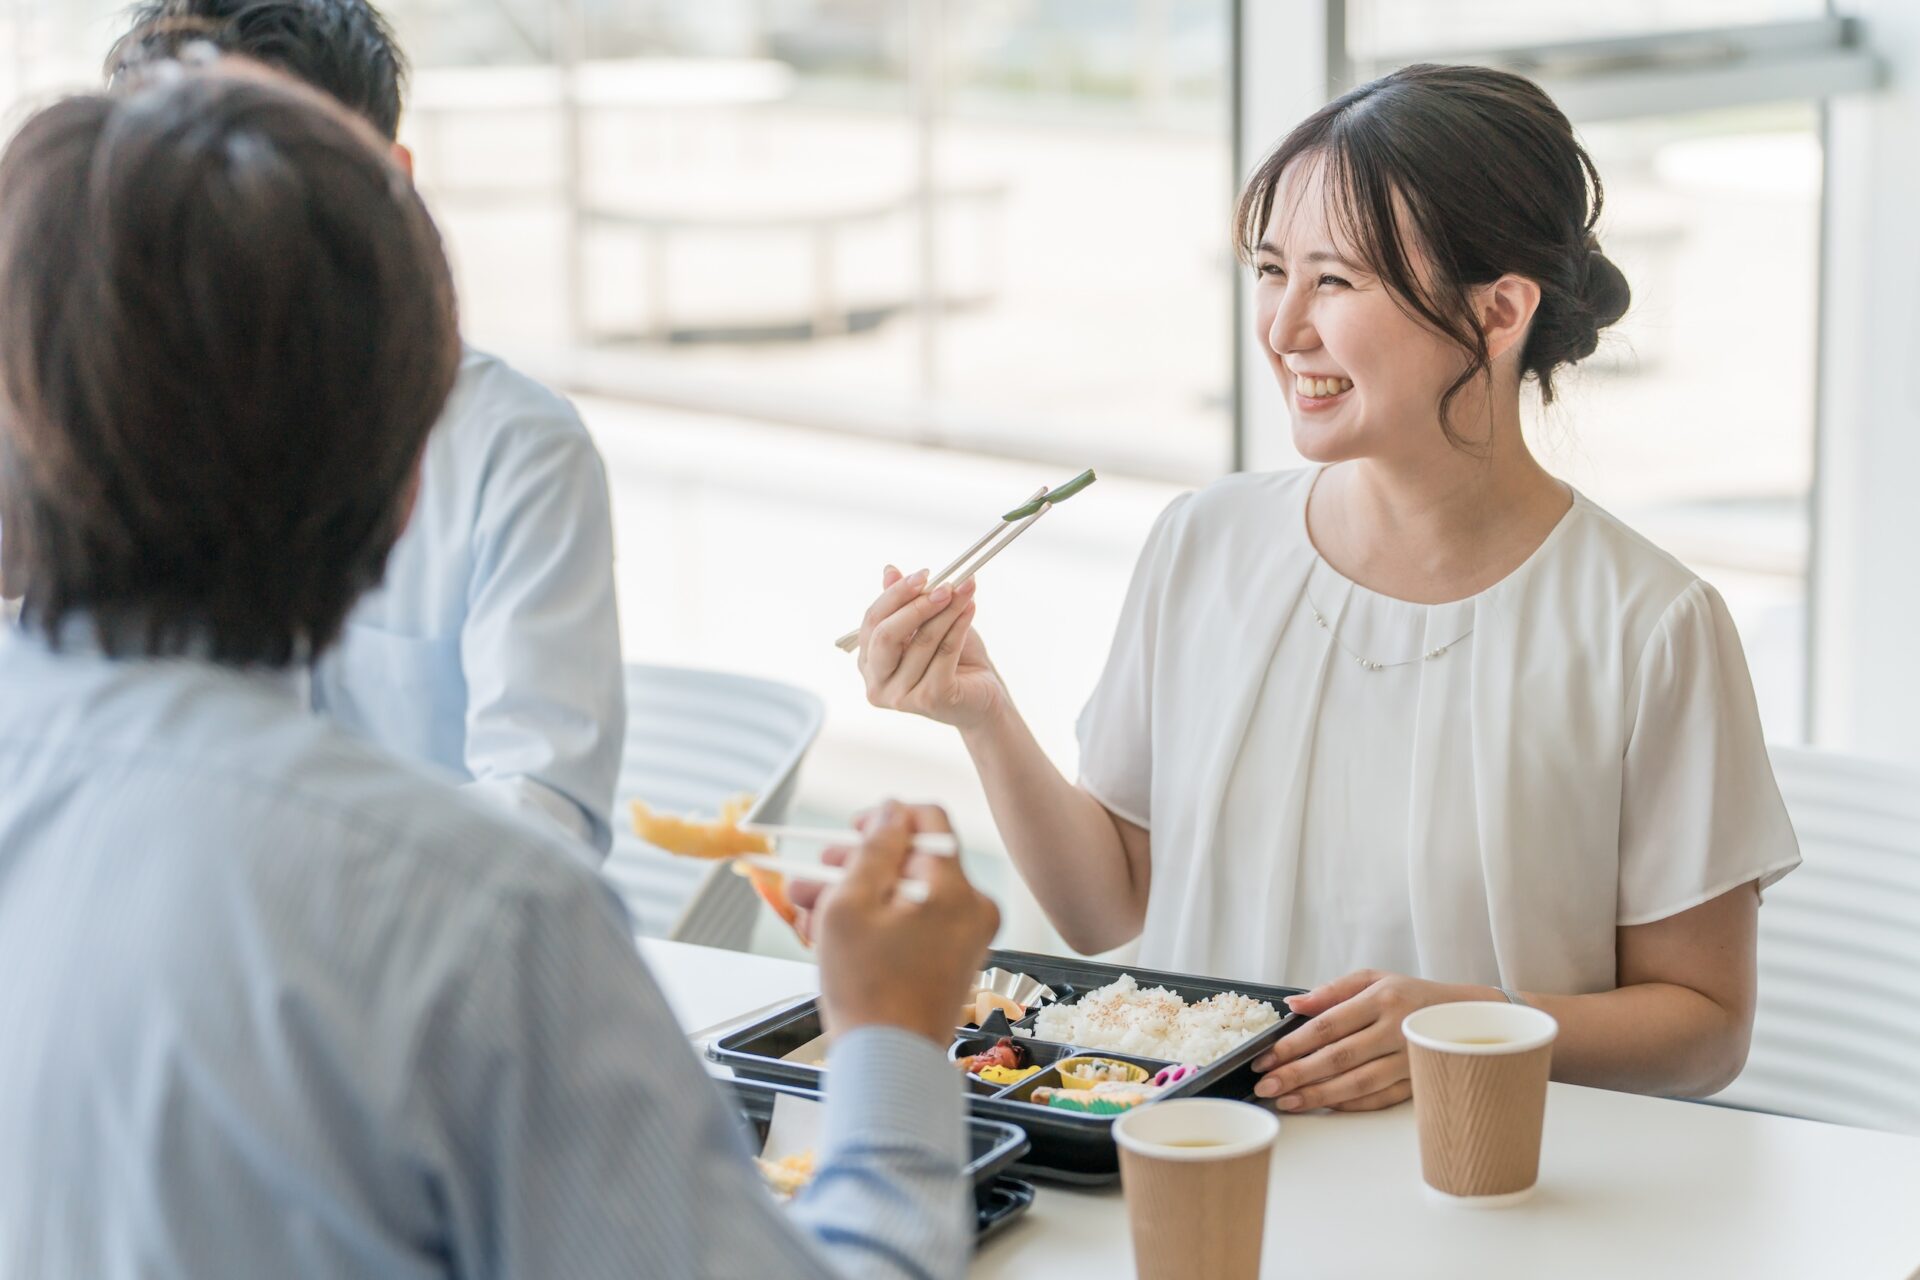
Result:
{"points": [[1054, 498]]}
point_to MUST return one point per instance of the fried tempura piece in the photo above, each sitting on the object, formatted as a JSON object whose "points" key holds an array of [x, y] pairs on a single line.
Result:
{"points": [[772, 888], [721, 838]]}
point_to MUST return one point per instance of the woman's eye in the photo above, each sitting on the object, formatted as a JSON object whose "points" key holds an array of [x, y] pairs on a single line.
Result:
{"points": [[1335, 280], [1273, 271]]}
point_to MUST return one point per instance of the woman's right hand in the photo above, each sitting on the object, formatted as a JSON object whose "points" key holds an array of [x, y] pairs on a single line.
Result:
{"points": [[919, 653]]}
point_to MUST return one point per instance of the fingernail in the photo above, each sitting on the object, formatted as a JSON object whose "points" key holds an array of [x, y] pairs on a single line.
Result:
{"points": [[1290, 1103], [1267, 1088], [922, 575], [966, 588], [1264, 1062]]}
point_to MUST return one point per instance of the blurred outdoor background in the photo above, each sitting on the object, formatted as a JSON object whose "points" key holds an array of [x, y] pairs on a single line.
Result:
{"points": [[836, 281]]}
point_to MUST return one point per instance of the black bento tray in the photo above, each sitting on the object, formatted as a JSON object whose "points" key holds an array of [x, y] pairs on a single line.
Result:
{"points": [[993, 1146], [1066, 1146]]}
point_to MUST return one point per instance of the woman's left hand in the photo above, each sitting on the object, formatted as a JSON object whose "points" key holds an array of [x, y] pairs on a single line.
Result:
{"points": [[1351, 1057]]}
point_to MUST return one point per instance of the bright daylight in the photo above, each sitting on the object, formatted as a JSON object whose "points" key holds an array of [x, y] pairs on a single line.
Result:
{"points": [[908, 639]]}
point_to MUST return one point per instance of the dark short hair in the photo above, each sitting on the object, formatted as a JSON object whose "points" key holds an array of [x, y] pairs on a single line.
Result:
{"points": [[229, 328], [1491, 181], [343, 48]]}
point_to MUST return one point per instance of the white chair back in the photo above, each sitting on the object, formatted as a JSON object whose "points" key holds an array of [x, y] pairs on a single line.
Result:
{"points": [[1837, 1030], [696, 739]]}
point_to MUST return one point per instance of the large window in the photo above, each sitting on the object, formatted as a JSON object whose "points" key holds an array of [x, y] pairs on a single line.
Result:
{"points": [[1695, 421], [50, 46], [784, 241], [1389, 28], [999, 227]]}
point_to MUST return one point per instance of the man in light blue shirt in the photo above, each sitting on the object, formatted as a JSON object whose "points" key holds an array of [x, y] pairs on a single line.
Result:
{"points": [[492, 649], [274, 1003]]}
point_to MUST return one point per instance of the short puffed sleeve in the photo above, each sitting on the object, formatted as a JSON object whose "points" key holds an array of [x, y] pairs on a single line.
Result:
{"points": [[1700, 812]]}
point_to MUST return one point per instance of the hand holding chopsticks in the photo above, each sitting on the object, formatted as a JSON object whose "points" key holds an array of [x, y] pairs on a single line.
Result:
{"points": [[1002, 535]]}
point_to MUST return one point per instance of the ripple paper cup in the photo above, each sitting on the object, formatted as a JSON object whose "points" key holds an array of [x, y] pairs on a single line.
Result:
{"points": [[1480, 1097], [1195, 1175]]}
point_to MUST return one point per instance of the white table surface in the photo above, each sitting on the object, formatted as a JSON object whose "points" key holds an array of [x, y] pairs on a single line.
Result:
{"points": [[1629, 1186]]}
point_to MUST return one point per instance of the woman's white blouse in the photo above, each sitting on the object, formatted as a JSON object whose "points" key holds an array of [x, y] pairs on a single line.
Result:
{"points": [[1585, 753]]}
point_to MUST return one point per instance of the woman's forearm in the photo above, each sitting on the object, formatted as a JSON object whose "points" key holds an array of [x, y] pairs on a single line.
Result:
{"points": [[1063, 842], [1681, 1019], [1651, 1037]]}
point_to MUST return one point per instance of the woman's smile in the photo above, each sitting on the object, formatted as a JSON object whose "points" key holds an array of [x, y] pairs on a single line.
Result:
{"points": [[1317, 395]]}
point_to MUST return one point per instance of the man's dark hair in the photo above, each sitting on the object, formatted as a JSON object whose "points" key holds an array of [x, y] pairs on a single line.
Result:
{"points": [[343, 48], [229, 327]]}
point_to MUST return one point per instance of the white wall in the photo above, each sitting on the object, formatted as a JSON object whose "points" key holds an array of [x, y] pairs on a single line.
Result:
{"points": [[1866, 664]]}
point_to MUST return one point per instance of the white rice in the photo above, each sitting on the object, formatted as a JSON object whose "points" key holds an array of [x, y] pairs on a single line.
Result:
{"points": [[1155, 1022]]}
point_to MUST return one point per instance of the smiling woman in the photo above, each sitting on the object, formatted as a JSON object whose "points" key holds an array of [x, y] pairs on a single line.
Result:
{"points": [[1421, 723], [1387, 188]]}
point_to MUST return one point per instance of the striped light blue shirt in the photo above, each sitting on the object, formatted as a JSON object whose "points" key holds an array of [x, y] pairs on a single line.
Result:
{"points": [[492, 646], [273, 1005]]}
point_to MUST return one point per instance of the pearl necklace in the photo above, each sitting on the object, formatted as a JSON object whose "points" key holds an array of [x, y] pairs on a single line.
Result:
{"points": [[1368, 664]]}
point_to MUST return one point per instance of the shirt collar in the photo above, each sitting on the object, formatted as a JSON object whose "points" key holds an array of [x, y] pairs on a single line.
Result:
{"points": [[79, 640]]}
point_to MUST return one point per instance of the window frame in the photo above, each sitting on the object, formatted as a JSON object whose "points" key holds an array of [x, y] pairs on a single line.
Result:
{"points": [[1303, 46]]}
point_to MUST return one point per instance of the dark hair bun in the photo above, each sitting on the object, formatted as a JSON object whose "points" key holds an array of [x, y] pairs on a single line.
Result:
{"points": [[1606, 293], [1592, 295]]}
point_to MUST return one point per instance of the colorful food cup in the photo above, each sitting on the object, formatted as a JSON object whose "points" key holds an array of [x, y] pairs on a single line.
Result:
{"points": [[1086, 1071]]}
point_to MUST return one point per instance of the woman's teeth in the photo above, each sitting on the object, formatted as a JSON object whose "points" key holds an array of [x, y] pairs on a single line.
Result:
{"points": [[1321, 387]]}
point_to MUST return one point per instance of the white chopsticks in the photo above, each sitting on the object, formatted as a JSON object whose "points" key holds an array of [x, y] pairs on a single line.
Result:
{"points": [[933, 843], [1001, 530], [906, 888], [938, 843]]}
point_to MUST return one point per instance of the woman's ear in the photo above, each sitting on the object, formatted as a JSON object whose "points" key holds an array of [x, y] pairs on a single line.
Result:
{"points": [[1506, 310]]}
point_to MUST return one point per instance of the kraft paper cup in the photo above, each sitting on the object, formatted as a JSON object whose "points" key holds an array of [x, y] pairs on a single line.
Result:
{"points": [[1480, 1097], [1195, 1175]]}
